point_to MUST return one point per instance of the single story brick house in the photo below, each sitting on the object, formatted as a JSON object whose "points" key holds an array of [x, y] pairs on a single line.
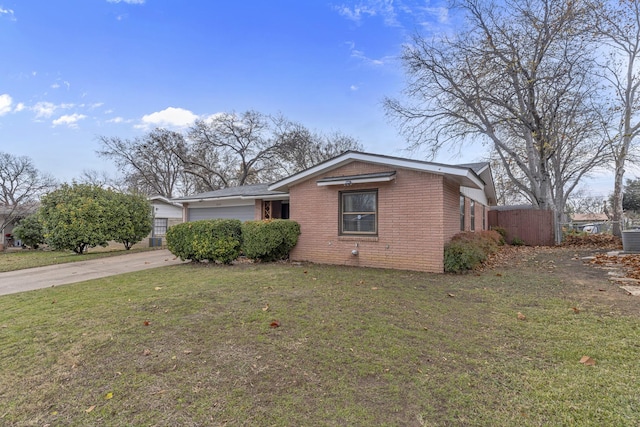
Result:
{"points": [[365, 209]]}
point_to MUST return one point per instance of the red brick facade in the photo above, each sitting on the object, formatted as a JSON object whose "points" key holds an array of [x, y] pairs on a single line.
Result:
{"points": [[418, 212]]}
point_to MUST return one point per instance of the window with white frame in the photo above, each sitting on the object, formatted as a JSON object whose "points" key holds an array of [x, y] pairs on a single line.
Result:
{"points": [[359, 212]]}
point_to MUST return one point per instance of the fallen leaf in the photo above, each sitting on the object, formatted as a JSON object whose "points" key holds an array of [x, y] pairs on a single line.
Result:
{"points": [[499, 274], [275, 324], [576, 310], [305, 272], [157, 288], [147, 262], [587, 361], [90, 408], [374, 288], [146, 352], [451, 295], [53, 302], [265, 308], [147, 323], [521, 316], [108, 396], [187, 352]]}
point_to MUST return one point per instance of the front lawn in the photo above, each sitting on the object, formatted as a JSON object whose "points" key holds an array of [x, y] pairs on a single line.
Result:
{"points": [[297, 345]]}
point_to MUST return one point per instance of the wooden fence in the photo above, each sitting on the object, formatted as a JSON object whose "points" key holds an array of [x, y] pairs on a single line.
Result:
{"points": [[535, 227]]}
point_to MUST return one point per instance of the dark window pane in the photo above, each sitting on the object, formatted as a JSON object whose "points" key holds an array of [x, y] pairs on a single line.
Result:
{"points": [[359, 202]]}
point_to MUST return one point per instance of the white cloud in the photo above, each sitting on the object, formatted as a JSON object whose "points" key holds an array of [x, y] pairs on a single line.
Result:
{"points": [[55, 86], [8, 12], [19, 107], [127, 1], [5, 104], [354, 88], [46, 109], [70, 120], [354, 13], [369, 8], [360, 55], [116, 120], [169, 117]]}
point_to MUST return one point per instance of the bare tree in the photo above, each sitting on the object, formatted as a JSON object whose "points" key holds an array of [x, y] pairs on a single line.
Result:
{"points": [[151, 164], [518, 78], [301, 149], [21, 185], [234, 149], [618, 27]]}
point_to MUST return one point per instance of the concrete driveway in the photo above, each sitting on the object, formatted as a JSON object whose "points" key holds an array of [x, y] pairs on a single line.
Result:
{"points": [[55, 275]]}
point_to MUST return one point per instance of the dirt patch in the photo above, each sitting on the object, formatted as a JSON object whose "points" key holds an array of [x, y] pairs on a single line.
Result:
{"points": [[589, 274]]}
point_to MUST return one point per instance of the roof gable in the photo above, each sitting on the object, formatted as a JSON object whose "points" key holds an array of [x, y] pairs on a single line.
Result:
{"points": [[463, 175]]}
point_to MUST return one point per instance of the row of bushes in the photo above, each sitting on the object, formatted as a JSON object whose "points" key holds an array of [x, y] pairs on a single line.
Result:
{"points": [[467, 250], [223, 240]]}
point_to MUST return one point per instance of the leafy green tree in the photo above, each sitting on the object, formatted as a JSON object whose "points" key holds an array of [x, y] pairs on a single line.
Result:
{"points": [[631, 195], [133, 218], [78, 217], [30, 231]]}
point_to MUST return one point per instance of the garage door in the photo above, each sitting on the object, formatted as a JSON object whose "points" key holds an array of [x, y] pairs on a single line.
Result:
{"points": [[243, 213]]}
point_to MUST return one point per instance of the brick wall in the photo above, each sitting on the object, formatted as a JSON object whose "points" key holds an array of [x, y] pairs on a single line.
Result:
{"points": [[416, 213]]}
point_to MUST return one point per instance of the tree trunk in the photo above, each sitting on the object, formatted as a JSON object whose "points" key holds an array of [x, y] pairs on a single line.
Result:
{"points": [[616, 219]]}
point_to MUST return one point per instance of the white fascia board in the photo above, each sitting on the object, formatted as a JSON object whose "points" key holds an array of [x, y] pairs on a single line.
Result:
{"points": [[475, 194], [357, 181], [464, 176], [226, 198]]}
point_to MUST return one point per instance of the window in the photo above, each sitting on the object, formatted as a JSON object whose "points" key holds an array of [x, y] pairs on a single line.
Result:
{"points": [[461, 213], [359, 212], [484, 218], [160, 226], [472, 216]]}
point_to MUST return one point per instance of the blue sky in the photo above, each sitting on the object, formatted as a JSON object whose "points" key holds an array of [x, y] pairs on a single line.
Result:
{"points": [[73, 70]]}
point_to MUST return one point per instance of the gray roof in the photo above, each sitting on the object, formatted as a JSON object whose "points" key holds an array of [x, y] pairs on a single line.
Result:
{"points": [[476, 167], [246, 191]]}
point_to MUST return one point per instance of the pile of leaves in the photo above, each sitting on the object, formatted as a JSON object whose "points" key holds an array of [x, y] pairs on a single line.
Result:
{"points": [[630, 263], [598, 241]]}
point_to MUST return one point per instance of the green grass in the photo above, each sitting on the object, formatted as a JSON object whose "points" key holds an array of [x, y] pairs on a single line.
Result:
{"points": [[355, 347], [19, 260]]}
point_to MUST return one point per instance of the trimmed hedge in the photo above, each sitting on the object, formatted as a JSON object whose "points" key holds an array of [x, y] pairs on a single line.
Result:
{"points": [[216, 240], [468, 250], [269, 240]]}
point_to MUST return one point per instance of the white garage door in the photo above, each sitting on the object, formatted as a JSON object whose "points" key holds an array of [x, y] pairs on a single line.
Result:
{"points": [[243, 213]]}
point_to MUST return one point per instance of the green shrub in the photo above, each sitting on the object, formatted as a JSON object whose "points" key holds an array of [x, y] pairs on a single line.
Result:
{"points": [[269, 240], [30, 231], [516, 241], [467, 250], [217, 240]]}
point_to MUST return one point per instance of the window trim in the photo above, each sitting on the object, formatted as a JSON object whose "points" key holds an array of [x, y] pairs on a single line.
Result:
{"points": [[165, 226], [341, 231]]}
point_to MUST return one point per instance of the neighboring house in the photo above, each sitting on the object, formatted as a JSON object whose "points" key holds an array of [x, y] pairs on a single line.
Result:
{"points": [[10, 216], [380, 211], [244, 203], [590, 222], [165, 214]]}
